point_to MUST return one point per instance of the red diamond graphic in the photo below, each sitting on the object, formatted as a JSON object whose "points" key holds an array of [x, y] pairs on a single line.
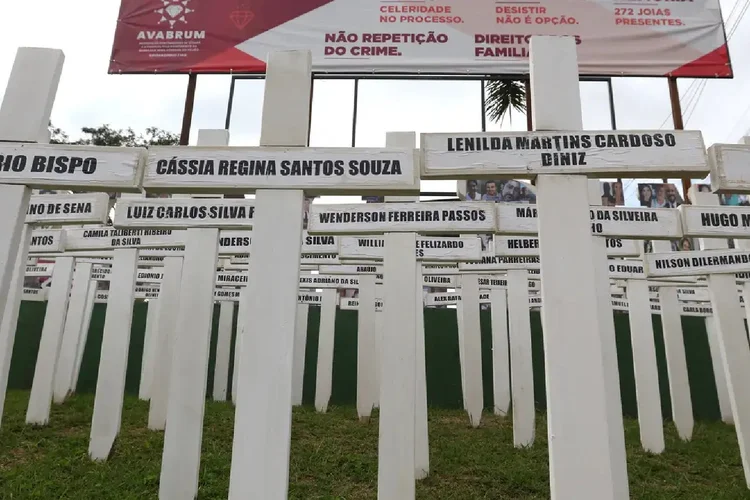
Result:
{"points": [[241, 18]]}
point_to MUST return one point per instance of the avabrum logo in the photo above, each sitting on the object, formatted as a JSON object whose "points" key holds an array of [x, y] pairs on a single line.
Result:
{"points": [[174, 11]]}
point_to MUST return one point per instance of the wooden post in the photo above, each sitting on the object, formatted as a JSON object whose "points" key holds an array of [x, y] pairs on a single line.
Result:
{"points": [[169, 303], [500, 356], [472, 338], [189, 369], [421, 432], [10, 316], [674, 348], [461, 354], [576, 380], [402, 456], [265, 367], [187, 380], [521, 369], [722, 391], [110, 384], [72, 331], [84, 334], [730, 331], [396, 475], [644, 365], [223, 344], [241, 322], [366, 347], [49, 345], [607, 336], [147, 360], [24, 116], [379, 347], [300, 346], [324, 374]]}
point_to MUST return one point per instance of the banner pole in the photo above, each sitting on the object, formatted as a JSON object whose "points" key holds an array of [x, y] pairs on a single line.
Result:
{"points": [[612, 114], [355, 108], [309, 116], [529, 119], [187, 115], [230, 103], [674, 100], [483, 106]]}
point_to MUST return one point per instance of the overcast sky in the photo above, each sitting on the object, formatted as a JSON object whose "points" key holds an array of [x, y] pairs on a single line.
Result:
{"points": [[88, 96]]}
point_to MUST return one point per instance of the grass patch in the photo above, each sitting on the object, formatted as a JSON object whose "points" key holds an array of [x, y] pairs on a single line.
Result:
{"points": [[334, 456]]}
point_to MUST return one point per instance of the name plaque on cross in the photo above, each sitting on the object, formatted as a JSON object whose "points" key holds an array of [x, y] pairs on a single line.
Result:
{"points": [[68, 209], [715, 222], [35, 294], [351, 269], [319, 244], [616, 222], [514, 245], [378, 218], [437, 281], [496, 283], [181, 213], [243, 170], [490, 262], [85, 168], [696, 263], [651, 153], [237, 279], [328, 281], [308, 297], [452, 298], [626, 269], [107, 237], [227, 294], [427, 248], [47, 241], [348, 304], [39, 270], [234, 242], [319, 259], [155, 275]]}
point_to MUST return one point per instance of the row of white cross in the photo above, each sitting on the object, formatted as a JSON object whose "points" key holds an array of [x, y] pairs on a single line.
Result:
{"points": [[587, 457]]}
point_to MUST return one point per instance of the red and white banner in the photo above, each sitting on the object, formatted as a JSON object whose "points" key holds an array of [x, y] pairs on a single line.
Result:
{"points": [[615, 37]]}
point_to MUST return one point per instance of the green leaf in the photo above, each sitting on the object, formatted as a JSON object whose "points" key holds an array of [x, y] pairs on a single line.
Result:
{"points": [[502, 97]]}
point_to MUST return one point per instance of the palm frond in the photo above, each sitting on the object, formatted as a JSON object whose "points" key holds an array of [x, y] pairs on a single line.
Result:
{"points": [[502, 97]]}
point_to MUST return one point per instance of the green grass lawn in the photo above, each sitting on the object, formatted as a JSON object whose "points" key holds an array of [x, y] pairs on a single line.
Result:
{"points": [[334, 456]]}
